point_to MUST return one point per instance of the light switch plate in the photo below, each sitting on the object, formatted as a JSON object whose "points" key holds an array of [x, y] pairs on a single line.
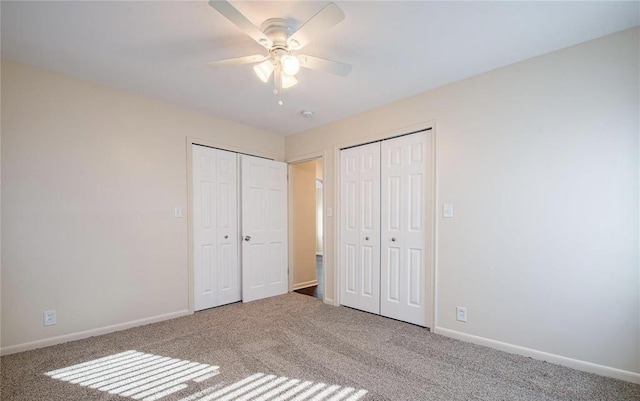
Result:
{"points": [[329, 212], [177, 212], [447, 210]]}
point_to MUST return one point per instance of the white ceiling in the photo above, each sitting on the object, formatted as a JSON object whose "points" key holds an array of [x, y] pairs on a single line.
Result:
{"points": [[397, 49]]}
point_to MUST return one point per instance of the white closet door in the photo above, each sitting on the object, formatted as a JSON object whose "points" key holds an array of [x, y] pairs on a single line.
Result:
{"points": [[360, 227], [406, 186], [215, 228], [264, 228]]}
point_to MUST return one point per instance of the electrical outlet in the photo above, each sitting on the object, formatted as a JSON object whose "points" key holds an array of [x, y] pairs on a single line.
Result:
{"points": [[461, 314], [49, 317]]}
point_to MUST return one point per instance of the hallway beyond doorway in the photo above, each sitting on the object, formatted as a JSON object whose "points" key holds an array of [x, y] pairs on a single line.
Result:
{"points": [[316, 290]]}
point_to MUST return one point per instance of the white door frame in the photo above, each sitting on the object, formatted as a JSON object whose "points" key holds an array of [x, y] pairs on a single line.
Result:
{"points": [[296, 160], [430, 127], [190, 141]]}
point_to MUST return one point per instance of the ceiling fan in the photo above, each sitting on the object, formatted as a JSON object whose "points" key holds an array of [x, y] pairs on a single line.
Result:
{"points": [[282, 58]]}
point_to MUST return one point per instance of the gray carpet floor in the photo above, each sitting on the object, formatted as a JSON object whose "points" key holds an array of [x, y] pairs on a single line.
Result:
{"points": [[291, 347]]}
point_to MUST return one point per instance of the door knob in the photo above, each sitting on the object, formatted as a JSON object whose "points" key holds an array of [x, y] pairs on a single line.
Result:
{"points": [[247, 238], [393, 239], [366, 238], [226, 236]]}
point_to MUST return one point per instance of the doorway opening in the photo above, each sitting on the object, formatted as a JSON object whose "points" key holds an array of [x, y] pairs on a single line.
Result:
{"points": [[306, 212]]}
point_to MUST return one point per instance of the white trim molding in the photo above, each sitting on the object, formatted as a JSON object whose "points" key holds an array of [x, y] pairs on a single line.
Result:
{"points": [[542, 356], [31, 345], [305, 284]]}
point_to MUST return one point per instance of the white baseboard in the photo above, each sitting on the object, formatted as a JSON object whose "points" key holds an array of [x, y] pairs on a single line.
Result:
{"points": [[12, 349], [543, 356], [305, 284]]}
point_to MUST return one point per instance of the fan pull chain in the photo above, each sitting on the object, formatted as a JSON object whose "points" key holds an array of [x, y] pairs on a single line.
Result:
{"points": [[277, 81]]}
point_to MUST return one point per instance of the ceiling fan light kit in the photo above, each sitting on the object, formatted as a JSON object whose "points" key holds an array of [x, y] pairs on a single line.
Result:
{"points": [[264, 70], [276, 37], [290, 64], [288, 81]]}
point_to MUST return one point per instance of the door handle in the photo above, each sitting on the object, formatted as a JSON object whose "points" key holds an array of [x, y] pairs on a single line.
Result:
{"points": [[247, 238], [366, 238], [393, 239], [226, 236]]}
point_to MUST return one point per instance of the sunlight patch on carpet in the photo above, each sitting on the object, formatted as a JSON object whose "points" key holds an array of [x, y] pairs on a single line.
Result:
{"points": [[149, 377], [136, 375]]}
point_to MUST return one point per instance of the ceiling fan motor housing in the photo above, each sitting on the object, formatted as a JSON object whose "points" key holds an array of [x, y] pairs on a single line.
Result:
{"points": [[278, 31]]}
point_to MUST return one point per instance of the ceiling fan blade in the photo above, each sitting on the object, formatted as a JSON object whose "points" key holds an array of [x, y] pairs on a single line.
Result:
{"points": [[320, 64], [237, 61], [329, 16], [232, 14]]}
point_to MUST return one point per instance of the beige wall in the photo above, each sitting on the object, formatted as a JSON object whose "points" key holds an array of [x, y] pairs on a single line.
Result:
{"points": [[90, 179], [540, 160], [303, 223]]}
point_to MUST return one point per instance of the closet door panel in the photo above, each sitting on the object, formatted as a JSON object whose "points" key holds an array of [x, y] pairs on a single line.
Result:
{"points": [[204, 227], [349, 235], [215, 228], [360, 232], [228, 269], [403, 233], [264, 228]]}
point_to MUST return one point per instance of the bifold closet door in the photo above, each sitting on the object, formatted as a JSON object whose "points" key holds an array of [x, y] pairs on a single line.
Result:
{"points": [[264, 228], [360, 227], [405, 228], [216, 269]]}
